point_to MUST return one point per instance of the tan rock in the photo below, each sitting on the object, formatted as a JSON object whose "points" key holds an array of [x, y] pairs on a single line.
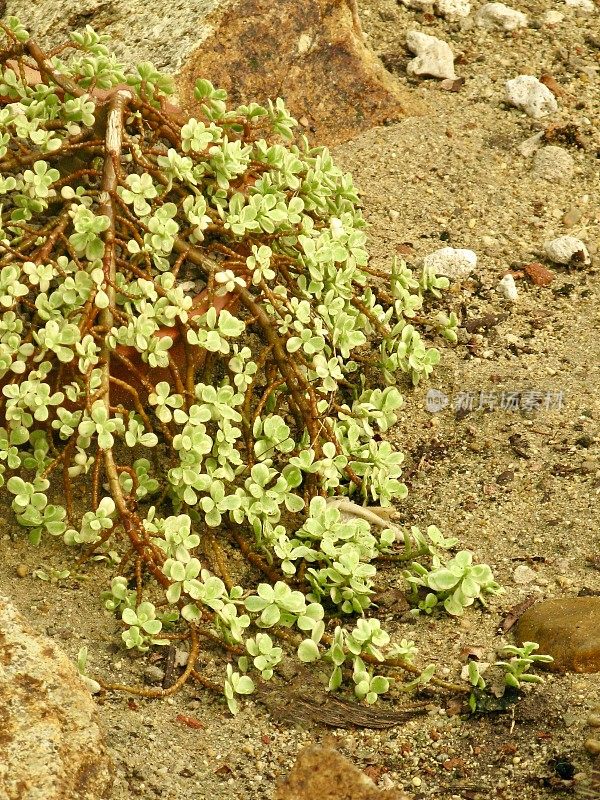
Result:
{"points": [[321, 772], [51, 745], [318, 62], [568, 629]]}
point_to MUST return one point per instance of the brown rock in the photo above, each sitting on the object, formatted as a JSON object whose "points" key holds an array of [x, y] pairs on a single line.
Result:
{"points": [[568, 629], [51, 745], [321, 772], [318, 62], [550, 81], [538, 274]]}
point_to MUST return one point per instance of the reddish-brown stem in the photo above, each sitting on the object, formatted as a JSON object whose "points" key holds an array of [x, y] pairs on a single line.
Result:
{"points": [[135, 399], [254, 558], [181, 681], [219, 559]]}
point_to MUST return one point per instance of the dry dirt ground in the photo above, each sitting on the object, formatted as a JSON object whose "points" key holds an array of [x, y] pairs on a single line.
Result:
{"points": [[518, 488]]}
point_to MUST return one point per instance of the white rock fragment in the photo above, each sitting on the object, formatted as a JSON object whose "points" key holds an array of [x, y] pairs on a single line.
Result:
{"points": [[451, 262], [563, 250], [584, 6], [419, 5], [552, 17], [453, 9], [434, 57], [553, 164], [304, 43], [524, 574], [531, 96], [531, 145], [500, 17], [508, 288]]}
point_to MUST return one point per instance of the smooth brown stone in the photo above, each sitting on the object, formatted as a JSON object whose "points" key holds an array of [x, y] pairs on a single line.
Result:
{"points": [[568, 629]]}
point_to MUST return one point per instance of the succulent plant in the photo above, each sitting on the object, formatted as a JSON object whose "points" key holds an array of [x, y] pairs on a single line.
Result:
{"points": [[187, 319]]}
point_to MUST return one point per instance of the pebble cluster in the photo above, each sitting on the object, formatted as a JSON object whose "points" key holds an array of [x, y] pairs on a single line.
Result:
{"points": [[537, 99]]}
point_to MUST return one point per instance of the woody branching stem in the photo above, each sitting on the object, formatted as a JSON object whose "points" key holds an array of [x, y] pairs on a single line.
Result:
{"points": [[114, 135]]}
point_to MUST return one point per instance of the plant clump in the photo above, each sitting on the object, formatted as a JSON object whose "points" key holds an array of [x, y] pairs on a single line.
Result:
{"points": [[197, 363]]}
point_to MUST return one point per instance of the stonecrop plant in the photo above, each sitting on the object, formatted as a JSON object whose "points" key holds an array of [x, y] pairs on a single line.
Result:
{"points": [[197, 368]]}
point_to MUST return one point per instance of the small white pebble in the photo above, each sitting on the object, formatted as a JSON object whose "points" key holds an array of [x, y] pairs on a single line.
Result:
{"points": [[585, 6], [564, 248], [507, 288], [531, 96], [451, 262], [500, 17], [553, 164], [552, 17], [524, 574], [434, 58], [453, 9]]}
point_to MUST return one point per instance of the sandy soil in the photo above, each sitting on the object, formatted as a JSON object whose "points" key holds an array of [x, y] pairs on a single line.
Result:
{"points": [[517, 487]]}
